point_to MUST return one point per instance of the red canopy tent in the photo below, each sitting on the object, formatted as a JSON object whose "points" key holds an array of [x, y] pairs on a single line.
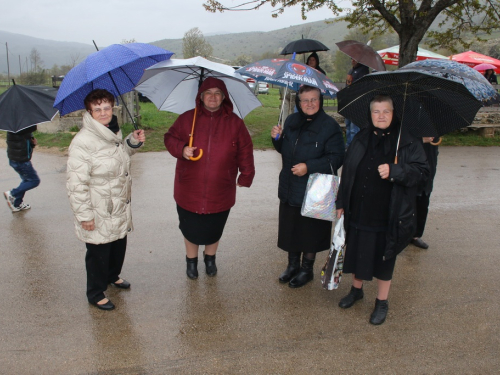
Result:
{"points": [[472, 59]]}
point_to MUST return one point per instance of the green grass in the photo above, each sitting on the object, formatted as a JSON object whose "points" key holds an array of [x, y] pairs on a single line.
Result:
{"points": [[259, 123]]}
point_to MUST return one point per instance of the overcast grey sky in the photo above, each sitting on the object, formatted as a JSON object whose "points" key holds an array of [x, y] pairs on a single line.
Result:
{"points": [[111, 21]]}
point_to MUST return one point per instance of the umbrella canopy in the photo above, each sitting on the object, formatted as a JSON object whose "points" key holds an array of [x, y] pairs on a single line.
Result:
{"points": [[362, 53], [289, 73], [427, 105], [470, 78], [172, 85], [391, 55], [472, 59], [116, 68], [25, 106], [484, 67], [304, 46]]}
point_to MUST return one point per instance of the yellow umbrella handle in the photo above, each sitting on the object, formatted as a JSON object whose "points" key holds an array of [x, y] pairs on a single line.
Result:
{"points": [[438, 142], [191, 138]]}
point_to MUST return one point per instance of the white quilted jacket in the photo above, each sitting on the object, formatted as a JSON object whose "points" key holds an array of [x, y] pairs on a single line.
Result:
{"points": [[99, 183]]}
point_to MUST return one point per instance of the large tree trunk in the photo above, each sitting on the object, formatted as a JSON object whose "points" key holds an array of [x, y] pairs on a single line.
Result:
{"points": [[408, 47]]}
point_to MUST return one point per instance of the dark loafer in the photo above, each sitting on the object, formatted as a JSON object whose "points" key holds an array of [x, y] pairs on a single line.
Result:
{"points": [[105, 306], [379, 312], [123, 285], [419, 243], [210, 266], [354, 295]]}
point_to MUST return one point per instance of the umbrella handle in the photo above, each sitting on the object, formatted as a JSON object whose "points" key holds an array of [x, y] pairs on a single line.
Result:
{"points": [[128, 140], [193, 158], [438, 142]]}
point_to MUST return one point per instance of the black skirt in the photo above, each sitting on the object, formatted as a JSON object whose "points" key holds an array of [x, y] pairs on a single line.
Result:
{"points": [[364, 255], [202, 229], [297, 233]]}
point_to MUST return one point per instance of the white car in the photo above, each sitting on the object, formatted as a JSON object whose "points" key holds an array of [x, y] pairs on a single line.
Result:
{"points": [[263, 88]]}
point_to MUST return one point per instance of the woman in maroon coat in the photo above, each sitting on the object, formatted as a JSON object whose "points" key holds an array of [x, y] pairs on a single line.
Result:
{"points": [[205, 190]]}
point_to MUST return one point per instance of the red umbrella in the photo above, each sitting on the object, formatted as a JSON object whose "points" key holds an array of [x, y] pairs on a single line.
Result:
{"points": [[472, 59]]}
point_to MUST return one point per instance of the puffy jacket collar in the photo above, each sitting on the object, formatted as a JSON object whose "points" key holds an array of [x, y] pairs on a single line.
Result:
{"points": [[100, 130]]}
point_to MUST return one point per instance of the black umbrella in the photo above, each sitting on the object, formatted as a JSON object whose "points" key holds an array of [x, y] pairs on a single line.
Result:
{"points": [[25, 106], [304, 46], [427, 105]]}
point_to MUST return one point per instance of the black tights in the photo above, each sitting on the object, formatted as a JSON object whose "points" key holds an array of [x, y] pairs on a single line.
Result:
{"points": [[310, 256]]}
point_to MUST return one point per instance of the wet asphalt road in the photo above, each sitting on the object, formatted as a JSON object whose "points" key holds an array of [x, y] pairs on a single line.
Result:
{"points": [[444, 313]]}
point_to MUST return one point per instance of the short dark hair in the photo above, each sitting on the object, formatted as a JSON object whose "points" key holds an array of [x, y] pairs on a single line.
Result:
{"points": [[306, 88], [98, 96], [380, 99]]}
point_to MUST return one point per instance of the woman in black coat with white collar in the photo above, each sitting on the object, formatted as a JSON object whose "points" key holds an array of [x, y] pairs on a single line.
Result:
{"points": [[311, 142], [377, 198]]}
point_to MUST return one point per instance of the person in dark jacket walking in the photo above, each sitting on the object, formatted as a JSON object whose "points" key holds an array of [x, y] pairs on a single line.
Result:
{"points": [[377, 197], [311, 142], [205, 190], [20, 147]]}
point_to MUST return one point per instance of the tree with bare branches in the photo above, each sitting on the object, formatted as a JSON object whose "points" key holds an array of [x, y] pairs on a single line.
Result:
{"points": [[460, 21], [194, 44]]}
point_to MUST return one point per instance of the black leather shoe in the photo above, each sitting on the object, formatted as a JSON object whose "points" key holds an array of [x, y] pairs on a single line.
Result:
{"points": [[192, 268], [123, 285], [354, 295], [292, 269], [304, 275], [210, 266], [380, 312], [105, 306], [419, 243]]}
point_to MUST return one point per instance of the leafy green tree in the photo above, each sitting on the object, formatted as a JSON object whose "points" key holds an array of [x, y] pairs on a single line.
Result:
{"points": [[459, 21], [242, 60], [194, 44]]}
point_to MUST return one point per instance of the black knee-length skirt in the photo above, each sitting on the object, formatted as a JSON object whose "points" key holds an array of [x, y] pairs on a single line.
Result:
{"points": [[297, 233], [203, 229], [364, 255]]}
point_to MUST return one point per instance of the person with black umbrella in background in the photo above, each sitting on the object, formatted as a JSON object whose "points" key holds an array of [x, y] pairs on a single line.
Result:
{"points": [[20, 148]]}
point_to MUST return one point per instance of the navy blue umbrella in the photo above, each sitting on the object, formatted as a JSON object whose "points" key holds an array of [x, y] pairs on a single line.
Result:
{"points": [[116, 68]]}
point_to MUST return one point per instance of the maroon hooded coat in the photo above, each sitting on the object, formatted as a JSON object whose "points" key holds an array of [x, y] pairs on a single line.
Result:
{"points": [[208, 185]]}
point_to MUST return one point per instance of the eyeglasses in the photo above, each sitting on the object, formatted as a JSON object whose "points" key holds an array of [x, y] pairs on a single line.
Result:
{"points": [[99, 110], [307, 101]]}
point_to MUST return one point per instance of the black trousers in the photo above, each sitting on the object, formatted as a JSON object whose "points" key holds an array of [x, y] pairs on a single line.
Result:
{"points": [[104, 264], [422, 211]]}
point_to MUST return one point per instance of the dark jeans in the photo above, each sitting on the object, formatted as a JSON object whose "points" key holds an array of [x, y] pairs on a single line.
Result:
{"points": [[29, 180], [422, 210], [104, 264], [350, 131]]}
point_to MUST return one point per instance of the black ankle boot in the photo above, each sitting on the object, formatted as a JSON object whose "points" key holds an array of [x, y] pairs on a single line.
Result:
{"points": [[292, 269], [192, 268], [379, 312], [210, 266], [305, 274], [354, 295]]}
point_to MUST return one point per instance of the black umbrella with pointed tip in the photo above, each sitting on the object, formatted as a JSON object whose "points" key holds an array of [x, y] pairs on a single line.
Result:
{"points": [[25, 106], [304, 46]]}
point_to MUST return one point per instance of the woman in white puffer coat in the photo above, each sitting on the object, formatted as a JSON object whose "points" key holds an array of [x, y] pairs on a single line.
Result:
{"points": [[99, 189]]}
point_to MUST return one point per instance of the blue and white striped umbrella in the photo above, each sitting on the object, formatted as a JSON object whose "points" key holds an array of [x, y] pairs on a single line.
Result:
{"points": [[116, 68], [461, 73]]}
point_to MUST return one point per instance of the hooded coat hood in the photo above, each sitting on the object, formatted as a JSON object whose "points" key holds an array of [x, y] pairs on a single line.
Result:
{"points": [[210, 83]]}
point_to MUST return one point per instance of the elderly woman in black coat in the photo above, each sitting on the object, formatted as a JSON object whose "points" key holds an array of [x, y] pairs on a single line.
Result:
{"points": [[377, 197], [311, 142]]}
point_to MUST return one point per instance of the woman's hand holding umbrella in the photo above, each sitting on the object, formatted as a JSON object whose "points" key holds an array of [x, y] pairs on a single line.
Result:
{"points": [[276, 132], [188, 152], [139, 135], [384, 171]]}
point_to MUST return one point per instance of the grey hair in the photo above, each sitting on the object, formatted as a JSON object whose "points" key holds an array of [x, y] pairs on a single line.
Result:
{"points": [[381, 99]]}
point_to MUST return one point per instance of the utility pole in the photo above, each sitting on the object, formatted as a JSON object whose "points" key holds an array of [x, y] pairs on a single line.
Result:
{"points": [[20, 71], [8, 68]]}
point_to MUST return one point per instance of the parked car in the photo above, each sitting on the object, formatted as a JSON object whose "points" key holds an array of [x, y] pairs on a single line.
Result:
{"points": [[251, 82], [263, 88]]}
